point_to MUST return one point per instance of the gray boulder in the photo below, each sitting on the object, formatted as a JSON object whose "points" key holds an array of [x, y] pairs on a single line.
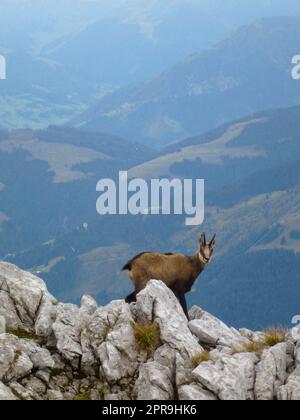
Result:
{"points": [[230, 378], [6, 393], [92, 352], [157, 303], [271, 372], [211, 331], [291, 390], [25, 300]]}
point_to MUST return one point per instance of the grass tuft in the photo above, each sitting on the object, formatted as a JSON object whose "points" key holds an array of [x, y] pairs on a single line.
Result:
{"points": [[103, 389], [106, 331], [251, 347], [274, 336], [204, 356], [25, 335], [147, 336], [17, 395], [270, 338], [85, 396]]}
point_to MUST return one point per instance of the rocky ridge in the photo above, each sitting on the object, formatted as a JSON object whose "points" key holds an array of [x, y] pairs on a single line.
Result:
{"points": [[145, 351]]}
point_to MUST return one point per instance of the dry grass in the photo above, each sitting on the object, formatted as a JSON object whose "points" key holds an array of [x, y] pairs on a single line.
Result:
{"points": [[270, 338], [275, 335], [147, 336], [251, 347], [204, 356], [107, 329]]}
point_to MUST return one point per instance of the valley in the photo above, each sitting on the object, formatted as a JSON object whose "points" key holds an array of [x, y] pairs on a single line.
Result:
{"points": [[77, 251]]}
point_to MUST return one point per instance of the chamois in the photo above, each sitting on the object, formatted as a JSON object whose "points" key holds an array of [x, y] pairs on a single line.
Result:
{"points": [[177, 271]]}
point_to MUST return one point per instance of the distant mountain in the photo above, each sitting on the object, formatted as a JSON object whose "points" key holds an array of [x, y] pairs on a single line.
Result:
{"points": [[48, 181], [62, 60], [247, 73], [251, 169], [36, 24]]}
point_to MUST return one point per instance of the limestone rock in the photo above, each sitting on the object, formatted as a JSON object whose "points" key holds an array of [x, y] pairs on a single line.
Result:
{"points": [[157, 303], [113, 341], [154, 382], [90, 352], [195, 392], [66, 331], [23, 294], [230, 378], [291, 391], [271, 372], [214, 332], [6, 393]]}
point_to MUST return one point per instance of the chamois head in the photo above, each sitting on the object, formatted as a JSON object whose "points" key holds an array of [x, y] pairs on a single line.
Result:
{"points": [[206, 249]]}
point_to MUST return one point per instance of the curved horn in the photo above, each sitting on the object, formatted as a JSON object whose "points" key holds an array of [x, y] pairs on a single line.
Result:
{"points": [[213, 241], [202, 239]]}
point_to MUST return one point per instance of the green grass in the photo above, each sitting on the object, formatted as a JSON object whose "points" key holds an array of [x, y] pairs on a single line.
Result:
{"points": [[85, 396], [17, 395], [147, 336], [25, 335], [23, 111], [102, 390], [106, 331], [47, 268]]}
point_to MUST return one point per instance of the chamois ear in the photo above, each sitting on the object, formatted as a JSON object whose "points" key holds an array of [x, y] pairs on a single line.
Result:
{"points": [[213, 241], [203, 239]]}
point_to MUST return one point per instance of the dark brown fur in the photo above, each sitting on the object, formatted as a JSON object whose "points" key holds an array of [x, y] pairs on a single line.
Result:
{"points": [[177, 271]]}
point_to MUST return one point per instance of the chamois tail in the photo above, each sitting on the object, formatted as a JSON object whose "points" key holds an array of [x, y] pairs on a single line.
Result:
{"points": [[127, 267]]}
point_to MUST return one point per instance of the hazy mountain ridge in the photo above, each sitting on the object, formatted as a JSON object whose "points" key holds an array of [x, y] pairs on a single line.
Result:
{"points": [[247, 73], [60, 60], [50, 178]]}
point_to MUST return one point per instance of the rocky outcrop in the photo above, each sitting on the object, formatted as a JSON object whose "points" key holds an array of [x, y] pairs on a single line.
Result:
{"points": [[145, 351]]}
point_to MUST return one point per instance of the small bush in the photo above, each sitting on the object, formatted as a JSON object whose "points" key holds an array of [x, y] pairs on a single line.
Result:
{"points": [[275, 335], [201, 357], [147, 336]]}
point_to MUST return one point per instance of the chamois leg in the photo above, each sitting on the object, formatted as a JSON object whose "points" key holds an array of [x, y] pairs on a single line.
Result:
{"points": [[183, 303], [131, 298]]}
